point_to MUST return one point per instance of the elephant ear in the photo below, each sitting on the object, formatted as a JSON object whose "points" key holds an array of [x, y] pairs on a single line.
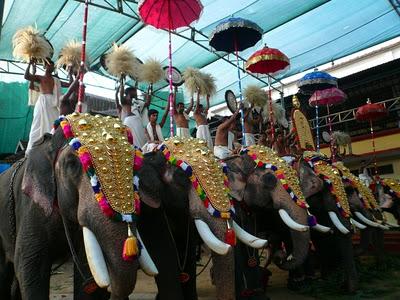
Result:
{"points": [[39, 181]]}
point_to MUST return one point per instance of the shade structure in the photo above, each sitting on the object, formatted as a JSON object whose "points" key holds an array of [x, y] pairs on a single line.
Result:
{"points": [[331, 96], [169, 14], [267, 61], [371, 112], [316, 80], [235, 34]]}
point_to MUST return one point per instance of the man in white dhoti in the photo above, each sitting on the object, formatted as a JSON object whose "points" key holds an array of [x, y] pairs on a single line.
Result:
{"points": [[153, 131], [130, 110], [46, 109], [200, 116], [224, 137]]}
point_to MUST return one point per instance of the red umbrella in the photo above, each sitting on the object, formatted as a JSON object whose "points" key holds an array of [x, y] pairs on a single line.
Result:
{"points": [[170, 15], [267, 61], [371, 112]]}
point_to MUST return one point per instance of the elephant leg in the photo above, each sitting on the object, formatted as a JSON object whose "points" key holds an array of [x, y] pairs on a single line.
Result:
{"points": [[365, 240], [6, 275], [189, 288], [379, 247], [15, 292], [33, 263], [347, 263]]}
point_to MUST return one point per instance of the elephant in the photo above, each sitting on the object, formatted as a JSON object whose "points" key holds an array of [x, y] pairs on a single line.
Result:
{"points": [[262, 203], [335, 250], [175, 213], [389, 197], [45, 196]]}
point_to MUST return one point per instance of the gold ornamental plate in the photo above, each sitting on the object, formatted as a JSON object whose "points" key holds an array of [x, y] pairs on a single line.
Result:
{"points": [[303, 130], [112, 157]]}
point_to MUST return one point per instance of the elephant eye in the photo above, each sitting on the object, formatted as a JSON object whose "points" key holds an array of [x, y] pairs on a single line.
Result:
{"points": [[269, 181], [72, 164]]}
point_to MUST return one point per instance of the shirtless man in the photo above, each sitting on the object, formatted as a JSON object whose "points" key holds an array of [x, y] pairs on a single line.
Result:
{"points": [[200, 116], [249, 122], [181, 117], [46, 109], [224, 137]]}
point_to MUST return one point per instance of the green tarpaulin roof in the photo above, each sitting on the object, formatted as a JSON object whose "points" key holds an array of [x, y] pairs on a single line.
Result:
{"points": [[309, 32]]}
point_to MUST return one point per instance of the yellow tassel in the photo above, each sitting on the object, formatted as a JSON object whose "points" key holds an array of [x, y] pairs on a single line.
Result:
{"points": [[130, 250]]}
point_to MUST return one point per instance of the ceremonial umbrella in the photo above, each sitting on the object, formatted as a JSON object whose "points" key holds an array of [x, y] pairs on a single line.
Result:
{"points": [[234, 35], [315, 81], [170, 15], [330, 96], [268, 61], [371, 112]]}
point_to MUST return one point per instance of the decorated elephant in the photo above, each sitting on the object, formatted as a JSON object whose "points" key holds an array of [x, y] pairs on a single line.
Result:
{"points": [[325, 193], [268, 198], [195, 197], [388, 191], [66, 196]]}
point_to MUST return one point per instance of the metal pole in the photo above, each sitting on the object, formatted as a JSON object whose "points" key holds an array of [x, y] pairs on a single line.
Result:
{"points": [[81, 92]]}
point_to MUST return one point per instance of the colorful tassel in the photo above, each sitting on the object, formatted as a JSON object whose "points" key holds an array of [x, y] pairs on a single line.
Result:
{"points": [[130, 250], [230, 237], [312, 220]]}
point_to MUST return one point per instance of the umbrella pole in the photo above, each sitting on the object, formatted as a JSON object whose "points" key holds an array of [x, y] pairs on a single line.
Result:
{"points": [[240, 94], [373, 148], [81, 92], [317, 126], [171, 95], [271, 112], [331, 146]]}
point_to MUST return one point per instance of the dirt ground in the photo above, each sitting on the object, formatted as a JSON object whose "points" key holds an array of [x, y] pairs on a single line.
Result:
{"points": [[61, 287]]}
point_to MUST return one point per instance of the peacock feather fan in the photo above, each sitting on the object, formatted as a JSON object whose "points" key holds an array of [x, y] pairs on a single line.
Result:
{"points": [[210, 88], [255, 95], [194, 81], [121, 62], [70, 56], [29, 43], [151, 71]]}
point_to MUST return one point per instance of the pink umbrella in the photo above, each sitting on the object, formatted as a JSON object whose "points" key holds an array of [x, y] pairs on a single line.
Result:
{"points": [[170, 15], [330, 96]]}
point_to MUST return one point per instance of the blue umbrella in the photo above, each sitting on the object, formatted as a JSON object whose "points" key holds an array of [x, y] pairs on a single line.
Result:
{"points": [[234, 35], [316, 81]]}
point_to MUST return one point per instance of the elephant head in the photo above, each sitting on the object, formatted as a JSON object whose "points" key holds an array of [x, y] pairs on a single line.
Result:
{"points": [[264, 193], [55, 179], [388, 191], [195, 184]]}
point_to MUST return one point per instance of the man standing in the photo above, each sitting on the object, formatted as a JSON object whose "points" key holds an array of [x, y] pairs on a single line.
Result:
{"points": [[46, 109], [153, 131], [181, 117], [200, 116], [224, 137]]}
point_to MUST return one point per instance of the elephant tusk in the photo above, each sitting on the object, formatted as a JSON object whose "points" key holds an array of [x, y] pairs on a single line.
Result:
{"points": [[335, 220], [384, 227], [366, 220], [210, 239], [290, 222], [391, 224], [321, 228], [247, 238], [95, 258], [357, 224], [145, 261]]}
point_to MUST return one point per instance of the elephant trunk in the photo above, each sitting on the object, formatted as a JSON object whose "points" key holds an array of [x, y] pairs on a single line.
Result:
{"points": [[223, 273], [300, 239]]}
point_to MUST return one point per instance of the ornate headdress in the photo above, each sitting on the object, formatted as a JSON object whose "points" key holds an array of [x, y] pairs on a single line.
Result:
{"points": [[393, 185], [104, 147], [323, 167]]}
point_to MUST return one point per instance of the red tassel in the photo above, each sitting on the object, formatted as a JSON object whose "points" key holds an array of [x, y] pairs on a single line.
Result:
{"points": [[230, 237]]}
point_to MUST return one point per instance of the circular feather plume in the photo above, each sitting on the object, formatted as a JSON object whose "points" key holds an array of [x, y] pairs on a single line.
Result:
{"points": [[29, 43], [121, 62], [209, 87], [255, 95], [341, 138], [194, 81], [70, 56], [151, 71], [279, 114]]}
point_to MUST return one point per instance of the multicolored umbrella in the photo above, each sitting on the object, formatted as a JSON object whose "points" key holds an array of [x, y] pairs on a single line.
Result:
{"points": [[327, 97], [268, 61], [371, 112], [170, 15], [234, 35]]}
